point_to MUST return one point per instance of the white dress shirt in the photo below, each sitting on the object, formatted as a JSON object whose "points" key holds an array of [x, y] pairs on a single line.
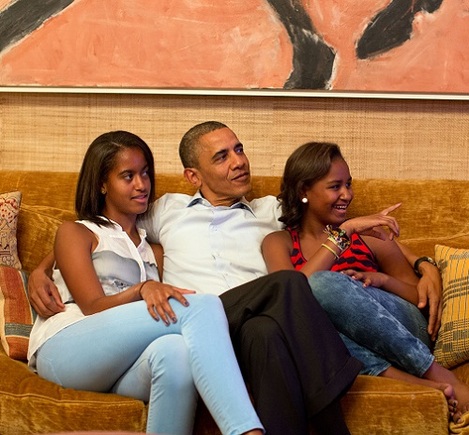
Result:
{"points": [[211, 249]]}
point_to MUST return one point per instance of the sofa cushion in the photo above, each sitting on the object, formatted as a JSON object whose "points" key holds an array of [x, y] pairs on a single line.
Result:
{"points": [[16, 314], [32, 405], [9, 209], [37, 226], [379, 405], [452, 345]]}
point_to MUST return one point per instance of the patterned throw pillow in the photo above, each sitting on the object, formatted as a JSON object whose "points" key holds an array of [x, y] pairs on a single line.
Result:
{"points": [[16, 314], [9, 209], [452, 345]]}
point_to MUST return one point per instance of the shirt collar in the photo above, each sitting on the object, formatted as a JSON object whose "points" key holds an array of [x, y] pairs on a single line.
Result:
{"points": [[199, 199], [141, 231]]}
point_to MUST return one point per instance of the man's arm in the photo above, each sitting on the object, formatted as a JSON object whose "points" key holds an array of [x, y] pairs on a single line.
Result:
{"points": [[429, 290], [43, 293]]}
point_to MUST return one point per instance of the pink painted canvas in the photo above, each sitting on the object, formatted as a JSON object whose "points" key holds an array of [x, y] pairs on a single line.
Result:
{"points": [[417, 46]]}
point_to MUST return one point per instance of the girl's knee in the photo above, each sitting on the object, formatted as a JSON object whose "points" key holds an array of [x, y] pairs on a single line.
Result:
{"points": [[207, 302], [321, 280], [327, 285], [169, 361]]}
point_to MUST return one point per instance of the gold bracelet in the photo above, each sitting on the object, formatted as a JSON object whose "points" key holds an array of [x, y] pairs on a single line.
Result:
{"points": [[330, 250]]}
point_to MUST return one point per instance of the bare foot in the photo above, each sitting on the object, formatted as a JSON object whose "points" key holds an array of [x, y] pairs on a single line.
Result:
{"points": [[461, 391], [448, 391], [456, 417], [454, 413], [445, 387], [439, 374]]}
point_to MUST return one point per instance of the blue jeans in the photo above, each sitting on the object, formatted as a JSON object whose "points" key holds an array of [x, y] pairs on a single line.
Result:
{"points": [[379, 328], [123, 349]]}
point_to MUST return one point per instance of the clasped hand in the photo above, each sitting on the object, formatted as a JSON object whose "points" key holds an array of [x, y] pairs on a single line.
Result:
{"points": [[369, 279], [157, 295]]}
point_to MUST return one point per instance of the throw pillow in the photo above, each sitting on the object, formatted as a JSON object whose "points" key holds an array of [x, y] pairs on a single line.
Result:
{"points": [[16, 314], [452, 345], [9, 209]]}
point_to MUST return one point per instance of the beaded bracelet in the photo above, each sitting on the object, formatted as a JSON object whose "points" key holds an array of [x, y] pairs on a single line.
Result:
{"points": [[338, 236]]}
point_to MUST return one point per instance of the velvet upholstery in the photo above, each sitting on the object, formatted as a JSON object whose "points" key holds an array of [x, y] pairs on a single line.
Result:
{"points": [[431, 212]]}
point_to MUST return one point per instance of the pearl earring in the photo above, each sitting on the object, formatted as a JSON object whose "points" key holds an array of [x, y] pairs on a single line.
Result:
{"points": [[304, 200], [103, 191]]}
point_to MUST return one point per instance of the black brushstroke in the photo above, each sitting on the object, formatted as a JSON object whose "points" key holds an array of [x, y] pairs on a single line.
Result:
{"points": [[392, 26], [313, 59], [25, 16]]}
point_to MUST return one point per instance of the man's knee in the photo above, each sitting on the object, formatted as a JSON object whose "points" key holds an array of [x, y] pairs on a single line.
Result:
{"points": [[291, 282], [260, 333], [288, 276]]}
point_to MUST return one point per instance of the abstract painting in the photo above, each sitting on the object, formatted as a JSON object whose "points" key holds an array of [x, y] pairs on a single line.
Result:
{"points": [[341, 45]]}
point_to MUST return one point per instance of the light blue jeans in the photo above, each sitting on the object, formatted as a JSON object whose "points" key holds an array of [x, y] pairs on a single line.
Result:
{"points": [[123, 349], [379, 328]]}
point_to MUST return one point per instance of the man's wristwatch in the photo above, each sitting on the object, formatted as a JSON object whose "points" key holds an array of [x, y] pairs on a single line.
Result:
{"points": [[420, 260]]}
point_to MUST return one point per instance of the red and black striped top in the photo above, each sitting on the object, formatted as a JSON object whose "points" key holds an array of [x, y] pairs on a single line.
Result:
{"points": [[357, 256]]}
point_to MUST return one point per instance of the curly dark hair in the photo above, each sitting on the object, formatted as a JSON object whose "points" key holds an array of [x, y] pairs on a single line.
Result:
{"points": [[306, 165], [97, 164]]}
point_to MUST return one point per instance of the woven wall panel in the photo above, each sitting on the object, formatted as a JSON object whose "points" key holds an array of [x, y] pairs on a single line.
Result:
{"points": [[379, 138]]}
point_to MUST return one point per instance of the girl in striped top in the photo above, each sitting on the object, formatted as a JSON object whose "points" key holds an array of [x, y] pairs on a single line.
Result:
{"points": [[373, 300]]}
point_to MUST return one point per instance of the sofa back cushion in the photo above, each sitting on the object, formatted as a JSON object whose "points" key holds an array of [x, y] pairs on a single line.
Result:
{"points": [[37, 226], [432, 211]]}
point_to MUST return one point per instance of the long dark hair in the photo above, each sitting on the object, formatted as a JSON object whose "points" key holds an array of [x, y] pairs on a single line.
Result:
{"points": [[306, 165], [99, 160]]}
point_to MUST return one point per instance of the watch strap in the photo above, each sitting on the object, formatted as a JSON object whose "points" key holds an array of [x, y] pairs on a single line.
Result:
{"points": [[420, 260]]}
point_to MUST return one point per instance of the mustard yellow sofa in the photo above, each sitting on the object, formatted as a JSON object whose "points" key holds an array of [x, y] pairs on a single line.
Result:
{"points": [[433, 212]]}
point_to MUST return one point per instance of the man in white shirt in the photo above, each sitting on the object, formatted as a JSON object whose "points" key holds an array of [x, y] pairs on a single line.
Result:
{"points": [[289, 352]]}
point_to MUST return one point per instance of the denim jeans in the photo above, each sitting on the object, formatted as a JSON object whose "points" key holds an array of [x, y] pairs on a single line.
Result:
{"points": [[123, 349], [379, 328]]}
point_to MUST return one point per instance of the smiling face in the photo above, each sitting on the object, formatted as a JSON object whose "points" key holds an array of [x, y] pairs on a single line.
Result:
{"points": [[127, 186], [329, 197], [222, 173]]}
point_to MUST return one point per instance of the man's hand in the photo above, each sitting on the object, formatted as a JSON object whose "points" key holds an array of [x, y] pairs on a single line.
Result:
{"points": [[43, 294], [429, 290]]}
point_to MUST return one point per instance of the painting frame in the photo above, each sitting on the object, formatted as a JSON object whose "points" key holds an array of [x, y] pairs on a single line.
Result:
{"points": [[282, 93], [306, 79]]}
